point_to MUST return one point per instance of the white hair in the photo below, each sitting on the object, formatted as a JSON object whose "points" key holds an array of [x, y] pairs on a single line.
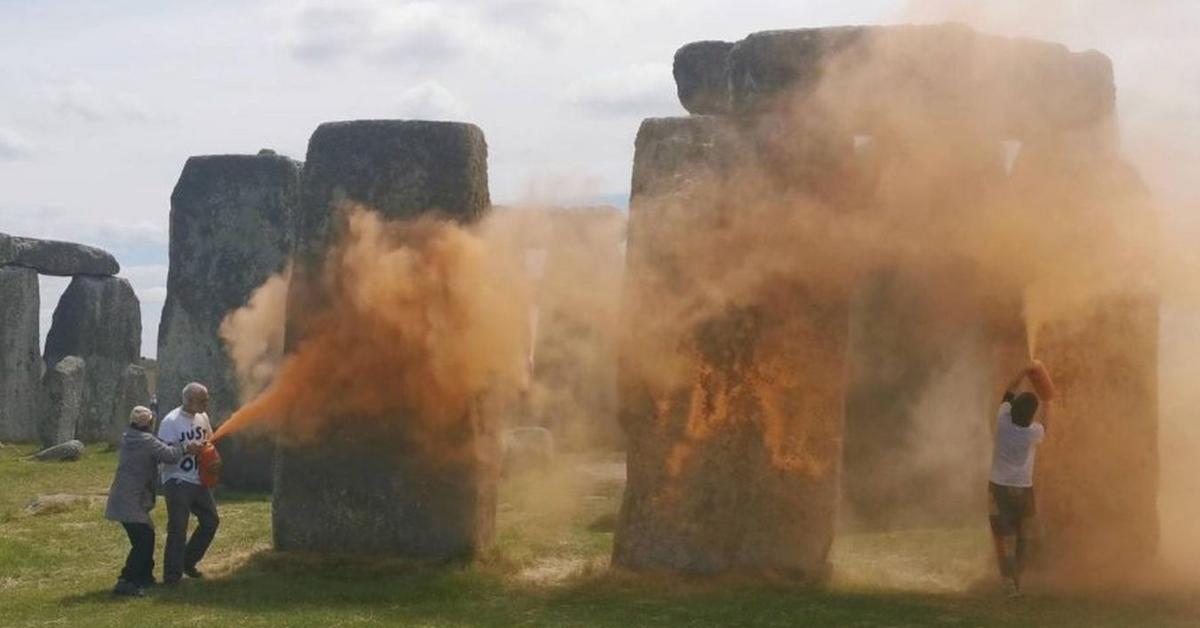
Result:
{"points": [[141, 416], [192, 390]]}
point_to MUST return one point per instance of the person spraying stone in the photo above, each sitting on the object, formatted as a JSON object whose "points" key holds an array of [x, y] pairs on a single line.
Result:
{"points": [[1010, 492], [132, 494], [183, 489]]}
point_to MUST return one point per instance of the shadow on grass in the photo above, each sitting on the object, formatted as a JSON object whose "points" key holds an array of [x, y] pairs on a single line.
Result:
{"points": [[230, 496], [103, 596], [318, 589]]}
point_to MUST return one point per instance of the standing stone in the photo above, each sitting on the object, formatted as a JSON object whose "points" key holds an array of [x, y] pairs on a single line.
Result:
{"points": [[134, 391], [1097, 475], [231, 228], [1097, 472], [365, 488], [734, 421], [98, 319], [66, 389], [20, 366]]}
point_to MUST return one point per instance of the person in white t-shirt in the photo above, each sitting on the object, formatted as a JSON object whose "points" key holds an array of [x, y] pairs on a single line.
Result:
{"points": [[182, 490], [1010, 490]]}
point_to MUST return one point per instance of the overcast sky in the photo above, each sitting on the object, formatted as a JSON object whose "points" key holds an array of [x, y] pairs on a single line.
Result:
{"points": [[103, 101]]}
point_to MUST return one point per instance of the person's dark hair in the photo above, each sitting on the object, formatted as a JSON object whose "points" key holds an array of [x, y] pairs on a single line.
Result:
{"points": [[1023, 409]]}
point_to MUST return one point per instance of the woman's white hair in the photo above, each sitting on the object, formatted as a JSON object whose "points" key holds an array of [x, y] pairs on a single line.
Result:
{"points": [[141, 416], [192, 390]]}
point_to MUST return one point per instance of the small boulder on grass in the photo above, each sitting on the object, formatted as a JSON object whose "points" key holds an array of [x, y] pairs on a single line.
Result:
{"points": [[59, 502], [69, 451]]}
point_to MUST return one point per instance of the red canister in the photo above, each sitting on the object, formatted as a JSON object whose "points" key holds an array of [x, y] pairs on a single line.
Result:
{"points": [[210, 466]]}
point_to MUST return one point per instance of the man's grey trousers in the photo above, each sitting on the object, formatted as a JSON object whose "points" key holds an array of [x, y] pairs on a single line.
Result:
{"points": [[184, 499]]}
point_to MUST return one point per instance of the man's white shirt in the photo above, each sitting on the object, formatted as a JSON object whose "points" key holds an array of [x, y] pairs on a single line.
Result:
{"points": [[1012, 460], [180, 427]]}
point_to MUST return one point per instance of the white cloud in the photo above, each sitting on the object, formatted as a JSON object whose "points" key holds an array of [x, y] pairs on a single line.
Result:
{"points": [[408, 34], [61, 224], [328, 33], [644, 89], [13, 146], [431, 100], [83, 101]]}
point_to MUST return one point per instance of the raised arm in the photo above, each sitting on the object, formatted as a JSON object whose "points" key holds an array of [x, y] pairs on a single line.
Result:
{"points": [[1016, 381]]}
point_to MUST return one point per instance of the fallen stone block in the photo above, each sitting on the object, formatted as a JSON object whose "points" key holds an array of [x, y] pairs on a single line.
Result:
{"points": [[69, 451], [58, 503]]}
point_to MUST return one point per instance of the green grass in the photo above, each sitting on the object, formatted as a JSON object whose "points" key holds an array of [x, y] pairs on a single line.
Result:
{"points": [[548, 568]]}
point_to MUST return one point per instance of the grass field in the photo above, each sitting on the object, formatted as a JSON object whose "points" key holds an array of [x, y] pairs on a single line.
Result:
{"points": [[549, 568]]}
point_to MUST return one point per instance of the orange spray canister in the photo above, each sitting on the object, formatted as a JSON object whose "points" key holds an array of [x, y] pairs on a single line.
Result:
{"points": [[1039, 376], [210, 466]]}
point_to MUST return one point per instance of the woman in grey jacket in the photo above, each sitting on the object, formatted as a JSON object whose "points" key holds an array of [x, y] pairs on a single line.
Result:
{"points": [[131, 496]]}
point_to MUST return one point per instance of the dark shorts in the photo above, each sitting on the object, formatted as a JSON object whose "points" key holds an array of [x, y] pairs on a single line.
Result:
{"points": [[1011, 511], [1009, 508]]}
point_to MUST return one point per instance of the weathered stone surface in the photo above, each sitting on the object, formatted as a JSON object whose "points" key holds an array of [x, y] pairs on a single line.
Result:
{"points": [[881, 76], [369, 492], [400, 168], [54, 257], [7, 249], [733, 458], [65, 387], [98, 319], [69, 451], [20, 365], [134, 391], [1100, 517], [701, 72], [231, 228]]}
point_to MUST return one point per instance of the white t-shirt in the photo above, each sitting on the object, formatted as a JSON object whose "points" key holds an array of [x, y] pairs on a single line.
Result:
{"points": [[180, 427], [1012, 460]]}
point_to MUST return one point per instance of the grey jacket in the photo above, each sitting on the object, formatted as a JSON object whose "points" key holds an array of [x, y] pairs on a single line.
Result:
{"points": [[131, 496]]}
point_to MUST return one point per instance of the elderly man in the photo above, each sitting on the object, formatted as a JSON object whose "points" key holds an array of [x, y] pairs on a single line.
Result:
{"points": [[131, 496], [184, 493]]}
